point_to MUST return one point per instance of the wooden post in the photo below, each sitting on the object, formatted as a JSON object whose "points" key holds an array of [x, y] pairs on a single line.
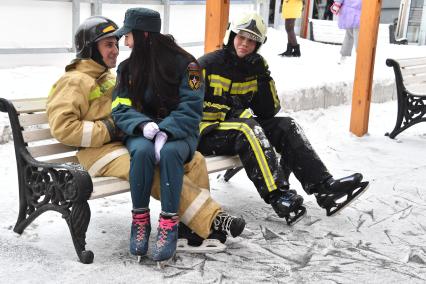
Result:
{"points": [[366, 53], [217, 14], [306, 14]]}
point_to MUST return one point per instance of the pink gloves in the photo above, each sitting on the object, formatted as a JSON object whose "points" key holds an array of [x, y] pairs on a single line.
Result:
{"points": [[160, 140], [335, 8], [149, 130]]}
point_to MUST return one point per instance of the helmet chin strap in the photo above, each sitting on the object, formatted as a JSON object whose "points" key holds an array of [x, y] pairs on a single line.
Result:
{"points": [[96, 55]]}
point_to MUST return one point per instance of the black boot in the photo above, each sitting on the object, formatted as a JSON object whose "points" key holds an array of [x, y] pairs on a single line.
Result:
{"points": [[194, 239], [335, 194], [296, 50], [288, 52], [288, 204], [232, 226]]}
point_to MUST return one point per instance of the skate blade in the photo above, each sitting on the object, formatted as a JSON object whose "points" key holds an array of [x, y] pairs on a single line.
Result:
{"points": [[363, 186], [299, 215], [162, 264], [207, 246]]}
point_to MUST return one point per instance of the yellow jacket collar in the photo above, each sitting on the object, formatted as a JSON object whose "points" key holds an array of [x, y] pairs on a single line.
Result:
{"points": [[88, 66]]}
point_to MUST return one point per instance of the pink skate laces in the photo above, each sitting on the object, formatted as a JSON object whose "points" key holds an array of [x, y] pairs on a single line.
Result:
{"points": [[166, 225], [140, 220]]}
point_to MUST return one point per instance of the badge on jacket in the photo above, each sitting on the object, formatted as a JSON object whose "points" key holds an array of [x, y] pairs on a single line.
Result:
{"points": [[194, 76]]}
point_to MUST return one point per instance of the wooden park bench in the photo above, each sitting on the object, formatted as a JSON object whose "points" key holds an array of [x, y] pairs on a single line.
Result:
{"points": [[410, 79], [50, 178], [325, 31]]}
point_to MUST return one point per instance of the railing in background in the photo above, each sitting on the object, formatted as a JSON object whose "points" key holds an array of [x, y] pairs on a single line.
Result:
{"points": [[96, 9]]}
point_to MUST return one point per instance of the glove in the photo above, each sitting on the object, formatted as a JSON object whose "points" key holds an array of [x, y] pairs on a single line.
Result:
{"points": [[257, 63], [149, 130], [335, 8], [160, 140]]}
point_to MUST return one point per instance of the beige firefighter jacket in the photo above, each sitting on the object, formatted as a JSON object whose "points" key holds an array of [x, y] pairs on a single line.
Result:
{"points": [[79, 113]]}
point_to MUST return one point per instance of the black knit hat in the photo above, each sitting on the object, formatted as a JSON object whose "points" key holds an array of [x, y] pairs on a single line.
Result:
{"points": [[141, 19]]}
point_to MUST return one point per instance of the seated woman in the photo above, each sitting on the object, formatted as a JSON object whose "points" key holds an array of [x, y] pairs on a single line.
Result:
{"points": [[157, 103]]}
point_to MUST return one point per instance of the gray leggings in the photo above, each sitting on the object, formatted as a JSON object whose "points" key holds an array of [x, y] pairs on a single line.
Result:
{"points": [[351, 39]]}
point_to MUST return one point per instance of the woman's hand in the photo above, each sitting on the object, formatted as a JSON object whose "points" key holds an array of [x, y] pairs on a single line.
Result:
{"points": [[160, 140], [335, 8], [149, 130]]}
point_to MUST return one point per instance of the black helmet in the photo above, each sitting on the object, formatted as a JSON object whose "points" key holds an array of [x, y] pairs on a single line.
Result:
{"points": [[90, 31]]}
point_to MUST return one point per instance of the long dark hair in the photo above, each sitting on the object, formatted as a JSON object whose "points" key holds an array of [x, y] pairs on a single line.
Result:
{"points": [[153, 64]]}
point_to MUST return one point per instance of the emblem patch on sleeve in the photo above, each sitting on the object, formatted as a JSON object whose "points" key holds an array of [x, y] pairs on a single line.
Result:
{"points": [[194, 76]]}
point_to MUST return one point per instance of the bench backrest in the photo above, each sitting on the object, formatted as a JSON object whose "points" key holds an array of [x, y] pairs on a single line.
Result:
{"points": [[43, 147], [36, 132], [328, 32], [412, 72]]}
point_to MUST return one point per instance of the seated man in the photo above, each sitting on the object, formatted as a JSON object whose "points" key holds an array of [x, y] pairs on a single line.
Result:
{"points": [[238, 83], [79, 114]]}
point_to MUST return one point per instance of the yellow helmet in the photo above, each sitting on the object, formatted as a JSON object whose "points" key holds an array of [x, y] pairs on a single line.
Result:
{"points": [[249, 25]]}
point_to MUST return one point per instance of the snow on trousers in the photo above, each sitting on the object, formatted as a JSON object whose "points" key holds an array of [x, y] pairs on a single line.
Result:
{"points": [[297, 154], [245, 137], [282, 133], [196, 208]]}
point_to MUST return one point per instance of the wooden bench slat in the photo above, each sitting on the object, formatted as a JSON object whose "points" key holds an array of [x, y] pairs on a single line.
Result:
{"points": [[105, 187], [30, 105], [220, 163], [415, 80], [418, 89], [36, 135], [413, 70], [50, 149], [33, 119], [411, 61], [329, 32], [63, 160]]}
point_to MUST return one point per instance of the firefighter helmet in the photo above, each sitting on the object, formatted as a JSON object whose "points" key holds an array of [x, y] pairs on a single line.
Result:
{"points": [[250, 25], [90, 31]]}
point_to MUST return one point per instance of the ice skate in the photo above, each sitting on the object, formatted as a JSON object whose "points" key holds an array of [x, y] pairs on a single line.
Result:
{"points": [[288, 205], [139, 233], [190, 242], [207, 246], [232, 226], [167, 235], [334, 195]]}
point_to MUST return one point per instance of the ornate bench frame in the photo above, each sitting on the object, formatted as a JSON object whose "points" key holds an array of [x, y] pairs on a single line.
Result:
{"points": [[50, 178], [410, 79]]}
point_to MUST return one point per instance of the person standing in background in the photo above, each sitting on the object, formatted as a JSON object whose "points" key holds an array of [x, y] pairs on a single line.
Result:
{"points": [[328, 15], [349, 12], [291, 10]]}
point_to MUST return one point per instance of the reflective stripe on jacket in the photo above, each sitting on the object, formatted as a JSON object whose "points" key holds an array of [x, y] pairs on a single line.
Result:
{"points": [[182, 123], [234, 90], [79, 113]]}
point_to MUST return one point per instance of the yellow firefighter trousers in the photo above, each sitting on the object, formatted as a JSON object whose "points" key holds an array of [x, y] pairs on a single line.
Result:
{"points": [[197, 209]]}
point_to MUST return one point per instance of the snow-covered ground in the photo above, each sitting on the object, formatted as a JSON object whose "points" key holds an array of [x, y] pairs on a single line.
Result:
{"points": [[379, 239]]}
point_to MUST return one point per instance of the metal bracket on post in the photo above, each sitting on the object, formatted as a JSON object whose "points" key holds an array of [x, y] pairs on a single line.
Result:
{"points": [[166, 16], [96, 7], [75, 20]]}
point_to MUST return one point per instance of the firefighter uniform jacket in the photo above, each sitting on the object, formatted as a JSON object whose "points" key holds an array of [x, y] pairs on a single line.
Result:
{"points": [[79, 114], [181, 123], [234, 90]]}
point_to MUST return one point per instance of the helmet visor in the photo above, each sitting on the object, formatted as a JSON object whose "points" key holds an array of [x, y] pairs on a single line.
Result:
{"points": [[250, 35]]}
